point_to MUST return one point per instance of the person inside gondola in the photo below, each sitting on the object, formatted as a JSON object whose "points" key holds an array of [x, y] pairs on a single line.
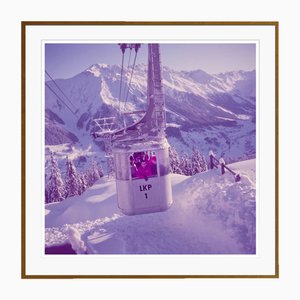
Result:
{"points": [[133, 168], [153, 165], [144, 171], [137, 159]]}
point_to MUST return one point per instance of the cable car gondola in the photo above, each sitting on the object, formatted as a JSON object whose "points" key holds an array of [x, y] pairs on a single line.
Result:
{"points": [[142, 176]]}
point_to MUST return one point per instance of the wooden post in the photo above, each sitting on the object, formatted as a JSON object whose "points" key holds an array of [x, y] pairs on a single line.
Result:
{"points": [[211, 158], [237, 177], [222, 164], [222, 168]]}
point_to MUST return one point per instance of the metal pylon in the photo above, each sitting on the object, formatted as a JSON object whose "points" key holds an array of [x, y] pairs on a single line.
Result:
{"points": [[104, 131]]}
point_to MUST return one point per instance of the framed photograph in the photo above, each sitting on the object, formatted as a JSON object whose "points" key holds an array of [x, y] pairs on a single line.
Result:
{"points": [[150, 150]]}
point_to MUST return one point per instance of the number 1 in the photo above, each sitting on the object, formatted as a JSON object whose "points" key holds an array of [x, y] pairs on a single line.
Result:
{"points": [[146, 195]]}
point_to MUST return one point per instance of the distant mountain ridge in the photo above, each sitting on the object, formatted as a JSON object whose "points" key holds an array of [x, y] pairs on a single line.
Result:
{"points": [[212, 111]]}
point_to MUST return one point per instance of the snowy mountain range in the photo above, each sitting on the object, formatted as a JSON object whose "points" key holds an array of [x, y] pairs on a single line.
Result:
{"points": [[207, 111]]}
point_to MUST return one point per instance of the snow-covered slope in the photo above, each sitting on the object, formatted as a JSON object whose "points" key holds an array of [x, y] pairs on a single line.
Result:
{"points": [[211, 214]]}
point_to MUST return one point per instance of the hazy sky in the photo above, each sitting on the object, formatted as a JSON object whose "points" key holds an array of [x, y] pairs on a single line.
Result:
{"points": [[67, 60]]}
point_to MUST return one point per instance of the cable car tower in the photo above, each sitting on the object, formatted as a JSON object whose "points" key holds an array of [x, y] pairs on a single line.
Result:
{"points": [[141, 150], [104, 129]]}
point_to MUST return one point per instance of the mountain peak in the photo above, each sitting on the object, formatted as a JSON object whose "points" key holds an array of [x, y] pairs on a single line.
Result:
{"points": [[94, 69], [199, 76], [103, 69]]}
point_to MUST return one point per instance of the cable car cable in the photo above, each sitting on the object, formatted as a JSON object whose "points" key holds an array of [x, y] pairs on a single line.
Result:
{"points": [[47, 85], [129, 85], [120, 90], [61, 90], [128, 65], [129, 58]]}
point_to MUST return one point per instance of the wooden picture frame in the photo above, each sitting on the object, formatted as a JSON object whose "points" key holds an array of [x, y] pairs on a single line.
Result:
{"points": [[35, 264]]}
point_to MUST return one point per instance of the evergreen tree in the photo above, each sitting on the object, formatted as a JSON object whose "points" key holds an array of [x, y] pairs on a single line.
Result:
{"points": [[83, 182], [199, 163], [203, 163], [55, 189], [174, 161], [186, 165], [93, 173], [72, 181]]}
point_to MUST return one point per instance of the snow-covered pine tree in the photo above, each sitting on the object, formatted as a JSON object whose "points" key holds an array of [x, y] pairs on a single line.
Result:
{"points": [[203, 163], [55, 188], [198, 162], [174, 161], [92, 173], [186, 165], [84, 182], [72, 181]]}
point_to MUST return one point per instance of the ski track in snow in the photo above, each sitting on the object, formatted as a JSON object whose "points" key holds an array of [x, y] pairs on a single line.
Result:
{"points": [[211, 214]]}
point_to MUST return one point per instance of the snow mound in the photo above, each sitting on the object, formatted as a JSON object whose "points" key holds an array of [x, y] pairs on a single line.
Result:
{"points": [[211, 214], [75, 240]]}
